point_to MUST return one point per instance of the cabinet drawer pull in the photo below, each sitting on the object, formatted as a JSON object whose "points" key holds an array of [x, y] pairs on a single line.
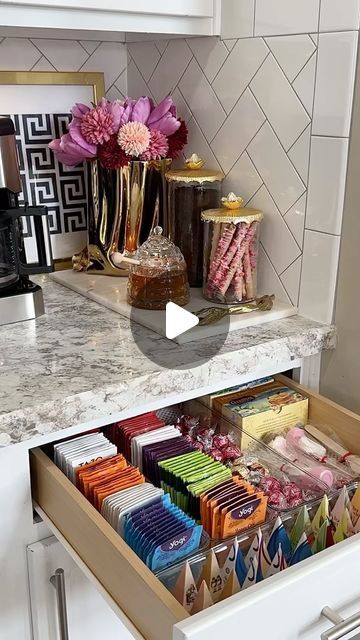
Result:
{"points": [[58, 582], [342, 627]]}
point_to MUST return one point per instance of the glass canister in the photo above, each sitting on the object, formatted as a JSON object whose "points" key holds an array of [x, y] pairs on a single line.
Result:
{"points": [[191, 191], [231, 242], [157, 274]]}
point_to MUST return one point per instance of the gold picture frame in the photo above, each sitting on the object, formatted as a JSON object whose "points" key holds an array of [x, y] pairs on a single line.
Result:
{"points": [[92, 79]]}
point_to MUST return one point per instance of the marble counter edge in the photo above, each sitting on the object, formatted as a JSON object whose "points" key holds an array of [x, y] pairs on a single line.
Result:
{"points": [[111, 400]]}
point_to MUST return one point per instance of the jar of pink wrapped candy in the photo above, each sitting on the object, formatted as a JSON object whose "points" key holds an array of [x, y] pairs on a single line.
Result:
{"points": [[231, 240]]}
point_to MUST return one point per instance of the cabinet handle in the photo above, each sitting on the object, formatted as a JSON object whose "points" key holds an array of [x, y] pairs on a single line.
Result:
{"points": [[342, 627], [58, 582]]}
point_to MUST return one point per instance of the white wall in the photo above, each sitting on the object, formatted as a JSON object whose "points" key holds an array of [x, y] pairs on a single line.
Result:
{"points": [[340, 375]]}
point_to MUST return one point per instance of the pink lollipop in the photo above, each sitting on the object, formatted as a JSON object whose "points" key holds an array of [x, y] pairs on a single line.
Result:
{"points": [[323, 474]]}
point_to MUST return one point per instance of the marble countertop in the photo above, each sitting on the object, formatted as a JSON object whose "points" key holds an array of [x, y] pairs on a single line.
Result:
{"points": [[79, 363]]}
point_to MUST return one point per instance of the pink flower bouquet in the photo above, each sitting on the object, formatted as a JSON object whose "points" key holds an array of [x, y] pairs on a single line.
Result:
{"points": [[117, 132]]}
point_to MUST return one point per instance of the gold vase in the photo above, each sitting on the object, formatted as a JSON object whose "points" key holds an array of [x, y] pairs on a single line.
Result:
{"points": [[124, 205]]}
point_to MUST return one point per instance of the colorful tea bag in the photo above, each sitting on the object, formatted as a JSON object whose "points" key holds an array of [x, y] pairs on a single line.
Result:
{"points": [[253, 574], [228, 565], [320, 541], [302, 525], [278, 564], [241, 569], [344, 529], [254, 548], [322, 515], [245, 514], [355, 507], [231, 587], [203, 599], [279, 536], [212, 575], [341, 504], [302, 551], [185, 590], [356, 527], [264, 561]]}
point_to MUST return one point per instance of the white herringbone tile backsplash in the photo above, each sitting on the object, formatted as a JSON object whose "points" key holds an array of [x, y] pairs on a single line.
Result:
{"points": [[43, 54], [273, 111], [249, 104]]}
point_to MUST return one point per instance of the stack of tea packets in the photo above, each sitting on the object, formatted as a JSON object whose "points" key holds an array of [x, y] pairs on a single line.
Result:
{"points": [[233, 567], [157, 530]]}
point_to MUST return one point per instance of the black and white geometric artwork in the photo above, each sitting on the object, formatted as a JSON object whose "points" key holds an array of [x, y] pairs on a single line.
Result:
{"points": [[45, 181]]}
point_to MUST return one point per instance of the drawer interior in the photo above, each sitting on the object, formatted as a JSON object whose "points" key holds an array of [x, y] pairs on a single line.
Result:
{"points": [[134, 588], [149, 605], [325, 412]]}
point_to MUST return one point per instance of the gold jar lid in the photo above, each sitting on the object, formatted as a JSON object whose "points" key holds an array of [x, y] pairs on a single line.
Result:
{"points": [[194, 172], [233, 212], [228, 216]]}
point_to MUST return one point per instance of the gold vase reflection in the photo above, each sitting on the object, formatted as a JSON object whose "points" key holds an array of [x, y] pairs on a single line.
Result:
{"points": [[124, 206]]}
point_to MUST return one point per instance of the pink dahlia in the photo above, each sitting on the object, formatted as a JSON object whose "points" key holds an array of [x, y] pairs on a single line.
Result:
{"points": [[97, 125], [158, 146], [134, 138]]}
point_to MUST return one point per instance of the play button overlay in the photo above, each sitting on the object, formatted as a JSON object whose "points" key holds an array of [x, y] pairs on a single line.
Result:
{"points": [[178, 320], [172, 338]]}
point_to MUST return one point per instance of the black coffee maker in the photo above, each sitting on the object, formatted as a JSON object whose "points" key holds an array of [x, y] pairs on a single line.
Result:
{"points": [[20, 299]]}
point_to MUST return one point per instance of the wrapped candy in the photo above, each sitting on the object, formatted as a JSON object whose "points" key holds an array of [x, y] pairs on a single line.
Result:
{"points": [[221, 441], [293, 494], [187, 424], [221, 446], [277, 499], [284, 486], [217, 454], [270, 484], [231, 452]]}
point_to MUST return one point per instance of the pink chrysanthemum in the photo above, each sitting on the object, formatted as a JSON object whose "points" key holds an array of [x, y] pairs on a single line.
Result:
{"points": [[97, 125], [158, 146], [134, 138]]}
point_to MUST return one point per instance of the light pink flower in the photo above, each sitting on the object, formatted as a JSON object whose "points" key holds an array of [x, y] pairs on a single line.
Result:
{"points": [[158, 146], [134, 138], [97, 125]]}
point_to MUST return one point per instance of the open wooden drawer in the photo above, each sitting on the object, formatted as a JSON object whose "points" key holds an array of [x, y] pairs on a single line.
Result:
{"points": [[284, 607]]}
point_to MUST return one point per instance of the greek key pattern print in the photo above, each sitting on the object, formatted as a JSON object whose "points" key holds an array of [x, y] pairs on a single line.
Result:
{"points": [[45, 181]]}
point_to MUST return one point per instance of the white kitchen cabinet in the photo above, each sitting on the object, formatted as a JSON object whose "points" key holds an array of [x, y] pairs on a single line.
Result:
{"points": [[285, 607], [88, 615], [188, 17]]}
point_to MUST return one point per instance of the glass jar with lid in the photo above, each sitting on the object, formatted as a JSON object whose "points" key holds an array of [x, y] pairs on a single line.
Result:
{"points": [[158, 274], [190, 191], [231, 242]]}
